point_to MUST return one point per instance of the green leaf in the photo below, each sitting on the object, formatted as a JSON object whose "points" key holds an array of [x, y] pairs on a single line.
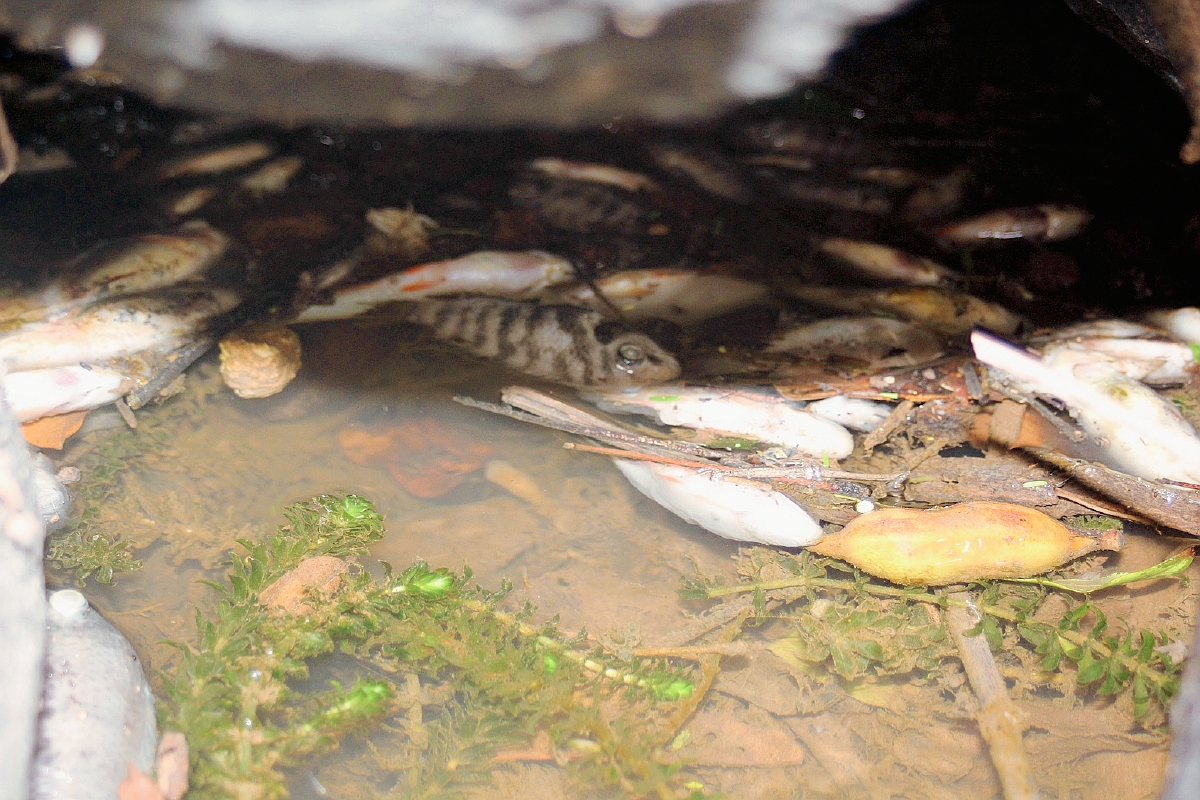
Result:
{"points": [[991, 630], [871, 650], [1091, 672]]}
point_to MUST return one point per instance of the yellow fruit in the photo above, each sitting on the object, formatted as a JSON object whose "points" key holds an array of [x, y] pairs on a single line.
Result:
{"points": [[964, 542]]}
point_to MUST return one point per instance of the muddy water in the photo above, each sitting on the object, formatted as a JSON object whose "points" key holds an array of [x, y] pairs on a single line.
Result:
{"points": [[598, 554]]}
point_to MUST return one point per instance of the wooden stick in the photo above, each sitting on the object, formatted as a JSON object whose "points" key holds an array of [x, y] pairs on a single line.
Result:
{"points": [[889, 424], [813, 474], [179, 361], [998, 718]]}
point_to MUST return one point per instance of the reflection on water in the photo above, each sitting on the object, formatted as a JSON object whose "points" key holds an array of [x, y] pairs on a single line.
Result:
{"points": [[599, 555]]}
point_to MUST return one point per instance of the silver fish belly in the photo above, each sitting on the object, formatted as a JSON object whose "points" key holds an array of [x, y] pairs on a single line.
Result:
{"points": [[563, 344], [127, 326], [97, 709]]}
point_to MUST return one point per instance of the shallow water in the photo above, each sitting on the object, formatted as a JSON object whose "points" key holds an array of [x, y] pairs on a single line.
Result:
{"points": [[600, 556]]}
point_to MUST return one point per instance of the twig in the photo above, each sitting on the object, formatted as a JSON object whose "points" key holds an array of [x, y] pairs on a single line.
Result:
{"points": [[998, 718], [736, 648], [889, 424], [177, 362], [629, 440], [710, 666], [813, 473]]}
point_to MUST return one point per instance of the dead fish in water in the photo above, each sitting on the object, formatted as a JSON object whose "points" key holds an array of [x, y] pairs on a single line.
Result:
{"points": [[685, 297], [1048, 222], [593, 173], [848, 197], [140, 264], [734, 508], [951, 313], [887, 263], [221, 159], [563, 344], [512, 276], [36, 393], [710, 172], [97, 709], [272, 177], [878, 341], [1151, 361], [1144, 434], [1143, 353], [1182, 323], [761, 415], [855, 413], [128, 326]]}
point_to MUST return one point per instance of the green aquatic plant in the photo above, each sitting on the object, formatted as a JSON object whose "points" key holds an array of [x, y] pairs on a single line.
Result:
{"points": [[448, 676], [857, 627], [87, 547]]}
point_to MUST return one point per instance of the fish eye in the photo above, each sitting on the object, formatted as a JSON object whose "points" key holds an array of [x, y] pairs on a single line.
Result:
{"points": [[630, 355]]}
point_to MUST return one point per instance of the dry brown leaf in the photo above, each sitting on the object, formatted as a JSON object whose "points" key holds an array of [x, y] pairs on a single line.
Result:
{"points": [[52, 432]]}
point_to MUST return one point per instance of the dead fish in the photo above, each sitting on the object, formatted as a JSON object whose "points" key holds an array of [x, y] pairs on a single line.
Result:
{"points": [[887, 263], [710, 172], [97, 710], [854, 413], [191, 201], [140, 264], [512, 276], [685, 297], [848, 197], [563, 344], [1182, 323], [1143, 434], [593, 173], [880, 342], [272, 177], [1157, 363], [1096, 328], [37, 393], [1048, 222], [936, 198], [734, 508], [779, 160], [760, 415], [951, 313], [221, 159], [819, 141], [892, 177], [120, 328]]}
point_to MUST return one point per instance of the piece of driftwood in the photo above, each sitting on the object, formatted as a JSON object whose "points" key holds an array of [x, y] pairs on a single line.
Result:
{"points": [[1169, 505], [999, 719]]}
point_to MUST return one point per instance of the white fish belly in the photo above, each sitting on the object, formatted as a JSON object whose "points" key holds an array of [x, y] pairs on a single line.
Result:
{"points": [[742, 510], [98, 713], [37, 393]]}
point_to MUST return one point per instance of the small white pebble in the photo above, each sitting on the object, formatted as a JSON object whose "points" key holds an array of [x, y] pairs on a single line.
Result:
{"points": [[889, 379], [864, 506], [928, 374]]}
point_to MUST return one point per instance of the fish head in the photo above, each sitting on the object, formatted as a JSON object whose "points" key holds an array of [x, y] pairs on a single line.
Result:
{"points": [[634, 359]]}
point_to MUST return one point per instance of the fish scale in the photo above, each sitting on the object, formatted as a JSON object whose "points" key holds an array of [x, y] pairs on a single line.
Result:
{"points": [[565, 344]]}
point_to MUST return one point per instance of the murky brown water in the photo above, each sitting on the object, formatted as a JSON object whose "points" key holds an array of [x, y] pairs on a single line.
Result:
{"points": [[599, 555]]}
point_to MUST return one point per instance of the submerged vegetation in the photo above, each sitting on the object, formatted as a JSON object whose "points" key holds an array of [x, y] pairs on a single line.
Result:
{"points": [[451, 677], [856, 628]]}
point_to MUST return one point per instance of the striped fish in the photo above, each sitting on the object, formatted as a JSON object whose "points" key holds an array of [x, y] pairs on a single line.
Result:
{"points": [[564, 344]]}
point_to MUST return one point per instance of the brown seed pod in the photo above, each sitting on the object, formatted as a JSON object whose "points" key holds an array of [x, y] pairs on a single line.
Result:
{"points": [[961, 543]]}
